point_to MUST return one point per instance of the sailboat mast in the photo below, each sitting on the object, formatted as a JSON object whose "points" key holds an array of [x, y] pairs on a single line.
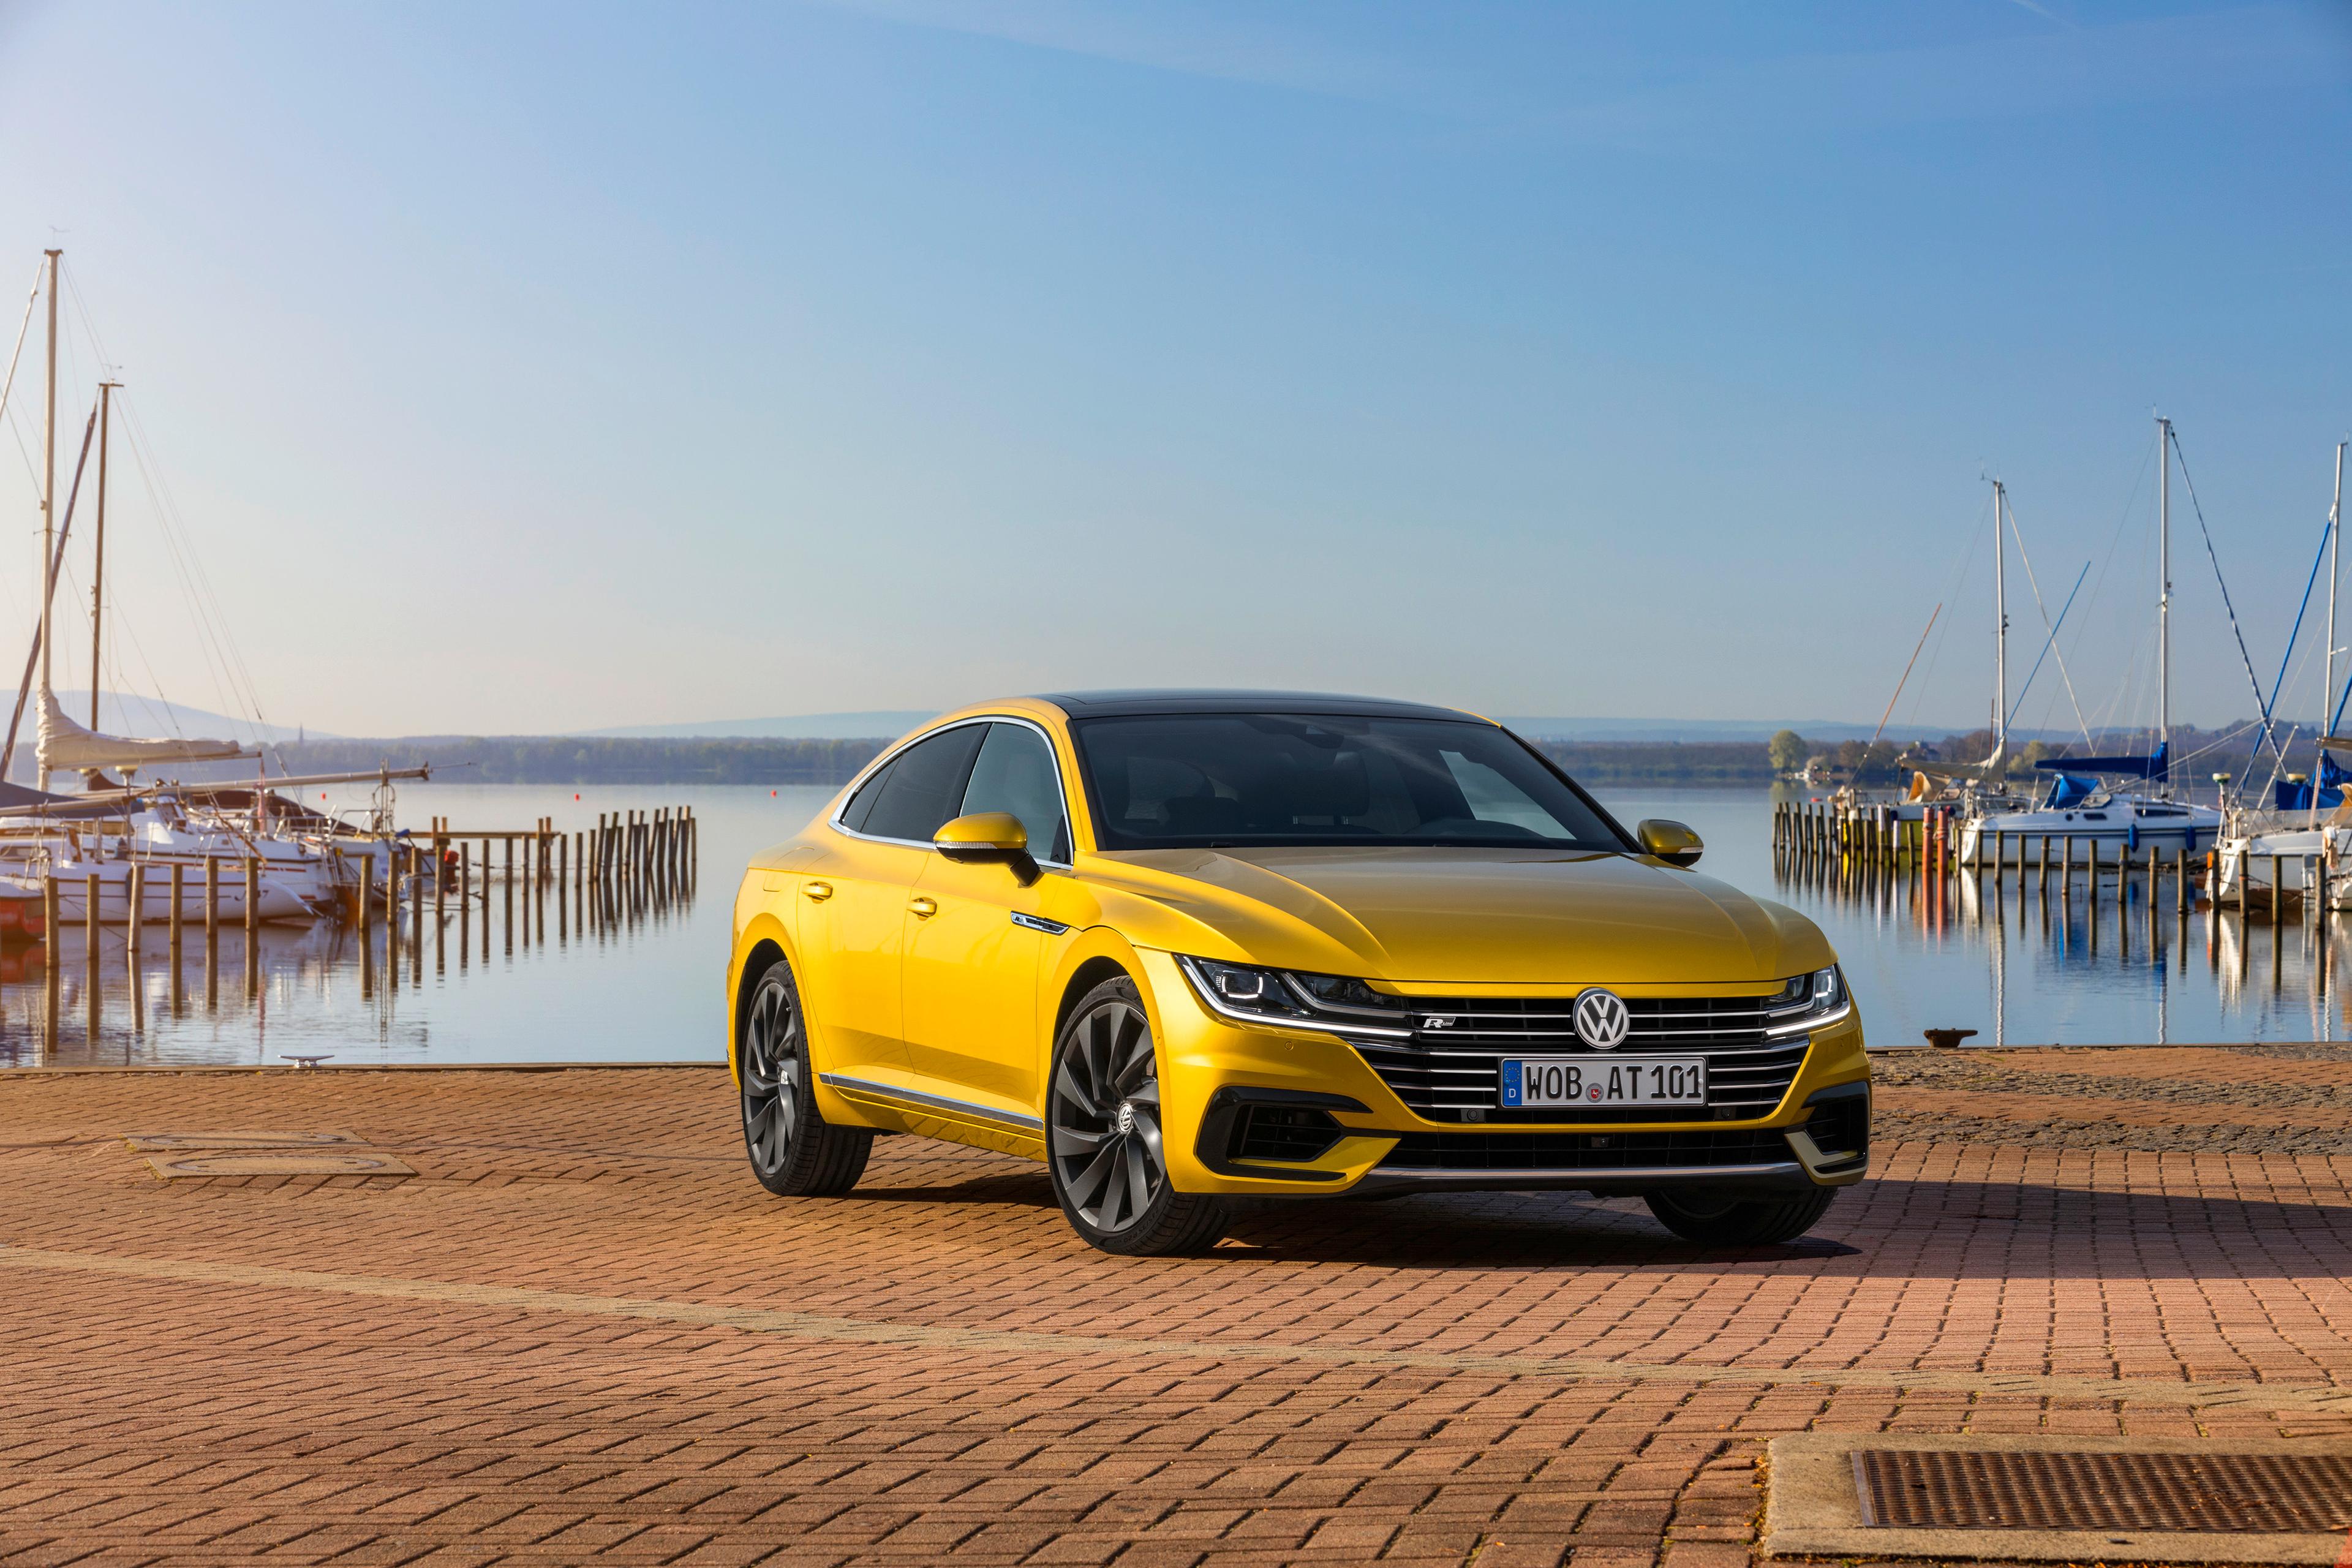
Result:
{"points": [[98, 566], [2164, 586], [2334, 550], [2000, 630], [50, 483]]}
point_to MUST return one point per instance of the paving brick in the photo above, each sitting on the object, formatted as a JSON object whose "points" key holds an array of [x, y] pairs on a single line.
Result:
{"points": [[267, 1419]]}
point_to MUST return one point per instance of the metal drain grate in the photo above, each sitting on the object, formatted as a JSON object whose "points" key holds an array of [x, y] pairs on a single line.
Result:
{"points": [[1917, 1489]]}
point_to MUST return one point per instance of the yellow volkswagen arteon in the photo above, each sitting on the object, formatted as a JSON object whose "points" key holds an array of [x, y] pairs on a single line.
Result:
{"points": [[1187, 947]]}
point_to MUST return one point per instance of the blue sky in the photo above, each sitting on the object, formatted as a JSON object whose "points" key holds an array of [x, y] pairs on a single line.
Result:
{"points": [[536, 367]]}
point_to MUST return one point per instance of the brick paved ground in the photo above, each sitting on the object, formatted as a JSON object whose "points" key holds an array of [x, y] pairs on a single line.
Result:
{"points": [[581, 1333]]}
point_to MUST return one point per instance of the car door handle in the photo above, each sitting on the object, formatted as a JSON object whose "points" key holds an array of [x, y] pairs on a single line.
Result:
{"points": [[924, 909], [816, 892]]}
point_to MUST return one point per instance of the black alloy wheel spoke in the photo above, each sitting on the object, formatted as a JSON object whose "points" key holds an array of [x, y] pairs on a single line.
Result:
{"points": [[770, 1079], [1067, 1085], [1104, 1132]]}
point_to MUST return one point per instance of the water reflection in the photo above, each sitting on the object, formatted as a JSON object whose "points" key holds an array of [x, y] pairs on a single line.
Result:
{"points": [[2141, 938], [366, 986], [637, 977]]}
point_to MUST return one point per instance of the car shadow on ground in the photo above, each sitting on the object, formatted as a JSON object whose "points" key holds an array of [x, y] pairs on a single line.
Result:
{"points": [[1920, 1229], [1909, 1228]]}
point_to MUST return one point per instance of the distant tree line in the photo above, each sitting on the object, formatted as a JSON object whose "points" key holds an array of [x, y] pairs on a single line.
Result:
{"points": [[769, 762]]}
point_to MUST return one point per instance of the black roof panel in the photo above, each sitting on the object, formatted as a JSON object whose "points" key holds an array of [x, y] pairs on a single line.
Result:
{"points": [[1200, 699]]}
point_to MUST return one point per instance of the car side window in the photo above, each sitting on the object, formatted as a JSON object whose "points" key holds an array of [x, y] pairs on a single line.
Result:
{"points": [[1015, 773], [861, 805], [924, 785]]}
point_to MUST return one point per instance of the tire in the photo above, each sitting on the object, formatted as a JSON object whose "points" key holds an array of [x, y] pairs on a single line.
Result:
{"points": [[1103, 1136], [1727, 1220], [794, 1151]]}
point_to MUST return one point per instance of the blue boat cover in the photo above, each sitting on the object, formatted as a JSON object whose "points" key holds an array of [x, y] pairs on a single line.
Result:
{"points": [[2290, 796], [2072, 789], [2158, 766]]}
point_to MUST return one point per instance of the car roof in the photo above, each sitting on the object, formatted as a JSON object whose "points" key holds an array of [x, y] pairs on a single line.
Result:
{"points": [[1205, 699]]}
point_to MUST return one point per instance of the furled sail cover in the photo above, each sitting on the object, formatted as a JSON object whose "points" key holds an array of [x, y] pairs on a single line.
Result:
{"points": [[64, 745]]}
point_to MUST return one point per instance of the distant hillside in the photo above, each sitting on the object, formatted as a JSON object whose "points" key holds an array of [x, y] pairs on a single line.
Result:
{"points": [[652, 760], [805, 726]]}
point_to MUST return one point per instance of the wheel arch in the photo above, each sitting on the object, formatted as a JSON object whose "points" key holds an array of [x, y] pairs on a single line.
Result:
{"points": [[761, 945], [1090, 971]]}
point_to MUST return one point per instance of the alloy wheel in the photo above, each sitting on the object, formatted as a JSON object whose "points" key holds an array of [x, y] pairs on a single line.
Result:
{"points": [[1105, 1132], [771, 1078]]}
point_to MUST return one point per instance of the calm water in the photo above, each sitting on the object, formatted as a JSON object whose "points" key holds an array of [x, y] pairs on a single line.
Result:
{"points": [[644, 983]]}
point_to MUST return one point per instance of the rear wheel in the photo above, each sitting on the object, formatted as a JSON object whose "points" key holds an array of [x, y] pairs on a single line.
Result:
{"points": [[1729, 1220], [1103, 1140], [794, 1151]]}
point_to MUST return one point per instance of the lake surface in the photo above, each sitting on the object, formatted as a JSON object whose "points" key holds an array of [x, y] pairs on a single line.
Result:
{"points": [[644, 983]]}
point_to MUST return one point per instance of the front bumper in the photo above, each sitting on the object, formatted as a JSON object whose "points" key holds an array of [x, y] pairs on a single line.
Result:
{"points": [[1270, 1112]]}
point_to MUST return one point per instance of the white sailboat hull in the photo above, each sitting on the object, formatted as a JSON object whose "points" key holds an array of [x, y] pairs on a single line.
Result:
{"points": [[2131, 827]]}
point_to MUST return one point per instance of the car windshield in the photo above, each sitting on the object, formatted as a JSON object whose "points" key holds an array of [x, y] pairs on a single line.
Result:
{"points": [[1220, 779]]}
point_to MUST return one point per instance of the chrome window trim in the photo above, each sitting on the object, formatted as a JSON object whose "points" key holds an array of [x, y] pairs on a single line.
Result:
{"points": [[920, 1100], [1060, 789]]}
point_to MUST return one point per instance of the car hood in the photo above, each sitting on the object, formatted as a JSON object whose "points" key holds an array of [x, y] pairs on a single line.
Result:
{"points": [[1435, 917]]}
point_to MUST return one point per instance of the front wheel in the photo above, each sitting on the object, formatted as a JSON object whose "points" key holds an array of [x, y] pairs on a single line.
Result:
{"points": [[1729, 1221], [1104, 1142], [794, 1151]]}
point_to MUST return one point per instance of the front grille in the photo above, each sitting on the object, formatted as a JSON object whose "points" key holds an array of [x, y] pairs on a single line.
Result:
{"points": [[1454, 1068], [1584, 1150]]}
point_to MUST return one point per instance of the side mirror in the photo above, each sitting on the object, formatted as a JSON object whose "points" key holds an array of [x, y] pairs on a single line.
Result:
{"points": [[1670, 842], [983, 835]]}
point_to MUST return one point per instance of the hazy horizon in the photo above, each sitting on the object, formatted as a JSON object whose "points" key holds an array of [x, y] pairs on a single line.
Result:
{"points": [[539, 370]]}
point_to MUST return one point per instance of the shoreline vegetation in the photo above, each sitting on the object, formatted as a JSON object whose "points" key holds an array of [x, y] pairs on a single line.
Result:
{"points": [[771, 763]]}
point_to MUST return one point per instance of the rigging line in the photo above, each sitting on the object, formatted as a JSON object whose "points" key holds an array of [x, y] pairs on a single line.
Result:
{"points": [[2278, 765], [175, 526], [16, 353], [2043, 610], [220, 650], [2050, 643], [1960, 575], [2288, 652], [1883, 718], [107, 362], [2210, 554], [2220, 739], [49, 587], [207, 637], [31, 472]]}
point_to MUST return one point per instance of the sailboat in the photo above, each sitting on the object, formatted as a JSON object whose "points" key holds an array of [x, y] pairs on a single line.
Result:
{"points": [[2088, 805], [2296, 850], [93, 841]]}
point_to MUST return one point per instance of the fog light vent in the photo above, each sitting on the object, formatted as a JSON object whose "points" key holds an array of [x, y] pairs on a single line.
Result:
{"points": [[1930, 1489], [1284, 1133]]}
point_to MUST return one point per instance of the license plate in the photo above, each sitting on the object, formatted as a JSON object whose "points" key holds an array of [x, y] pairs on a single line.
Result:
{"points": [[1605, 1080]]}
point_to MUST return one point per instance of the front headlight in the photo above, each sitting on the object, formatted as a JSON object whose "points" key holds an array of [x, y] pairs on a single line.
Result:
{"points": [[1807, 1002], [1255, 995]]}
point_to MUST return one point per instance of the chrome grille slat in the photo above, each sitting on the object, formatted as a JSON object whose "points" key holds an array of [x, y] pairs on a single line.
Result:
{"points": [[1455, 1074]]}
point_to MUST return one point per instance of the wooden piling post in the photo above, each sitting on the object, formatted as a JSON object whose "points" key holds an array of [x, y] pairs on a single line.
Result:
{"points": [[391, 916], [174, 942], [136, 912], [465, 901], [2278, 889], [252, 905], [510, 892], [89, 915]]}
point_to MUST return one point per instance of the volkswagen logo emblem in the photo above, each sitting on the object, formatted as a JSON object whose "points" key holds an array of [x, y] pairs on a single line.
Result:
{"points": [[1601, 1021]]}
